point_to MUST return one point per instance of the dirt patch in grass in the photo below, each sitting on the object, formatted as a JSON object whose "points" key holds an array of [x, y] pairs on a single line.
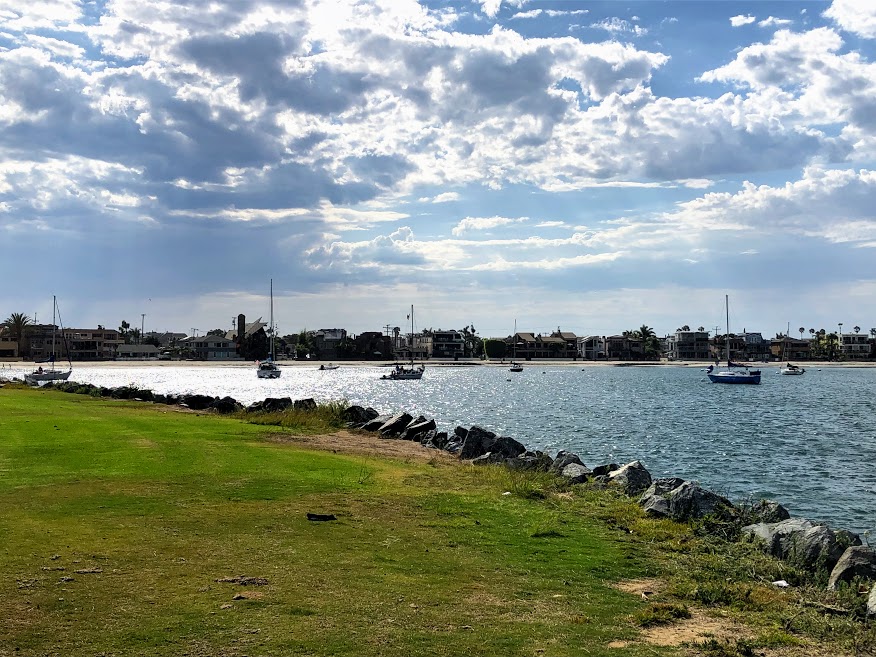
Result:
{"points": [[362, 444]]}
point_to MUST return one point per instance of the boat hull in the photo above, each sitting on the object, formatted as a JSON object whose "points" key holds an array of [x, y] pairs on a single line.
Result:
{"points": [[268, 371], [403, 374], [47, 375], [751, 378]]}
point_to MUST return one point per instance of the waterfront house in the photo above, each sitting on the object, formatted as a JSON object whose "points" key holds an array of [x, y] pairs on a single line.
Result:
{"points": [[137, 352], [8, 347], [326, 341], [788, 349], [688, 345], [447, 344], [76, 344], [210, 347], [854, 346], [592, 347]]}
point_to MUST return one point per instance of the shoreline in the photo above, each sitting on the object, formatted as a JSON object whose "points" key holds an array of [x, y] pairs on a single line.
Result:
{"points": [[314, 364]]}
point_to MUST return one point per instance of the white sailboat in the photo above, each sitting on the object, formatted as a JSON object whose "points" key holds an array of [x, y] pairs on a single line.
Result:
{"points": [[268, 369], [515, 366], [45, 374], [789, 369], [402, 373], [735, 372]]}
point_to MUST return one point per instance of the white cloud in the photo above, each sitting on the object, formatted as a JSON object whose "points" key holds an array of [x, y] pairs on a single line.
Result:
{"points": [[772, 21], [619, 26], [470, 224], [445, 197], [740, 20], [856, 16]]}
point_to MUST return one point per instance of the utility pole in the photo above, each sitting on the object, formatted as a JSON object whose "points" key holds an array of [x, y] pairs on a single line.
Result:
{"points": [[386, 329], [142, 324]]}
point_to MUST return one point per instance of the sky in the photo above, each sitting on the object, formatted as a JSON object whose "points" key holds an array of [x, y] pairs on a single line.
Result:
{"points": [[589, 166]]}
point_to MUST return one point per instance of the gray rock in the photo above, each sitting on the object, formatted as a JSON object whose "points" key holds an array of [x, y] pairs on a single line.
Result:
{"points": [[225, 406], [416, 429], [576, 473], [802, 543], [478, 441], [434, 439], [304, 404], [633, 478], [490, 458], [871, 602], [564, 458], [270, 405], [605, 470], [375, 423], [393, 427], [507, 447], [654, 500], [856, 561], [767, 511], [460, 433], [690, 501], [530, 461], [198, 402], [356, 415]]}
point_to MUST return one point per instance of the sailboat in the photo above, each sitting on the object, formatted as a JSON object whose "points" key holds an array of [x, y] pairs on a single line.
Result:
{"points": [[515, 367], [735, 373], [268, 368], [402, 373], [43, 374], [789, 369]]}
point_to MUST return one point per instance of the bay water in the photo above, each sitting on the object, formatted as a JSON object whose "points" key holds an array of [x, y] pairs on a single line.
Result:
{"points": [[807, 441]]}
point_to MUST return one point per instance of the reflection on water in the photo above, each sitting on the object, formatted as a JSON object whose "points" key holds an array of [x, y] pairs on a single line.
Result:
{"points": [[808, 441]]}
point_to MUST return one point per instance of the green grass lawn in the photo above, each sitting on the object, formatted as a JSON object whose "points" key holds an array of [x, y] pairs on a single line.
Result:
{"points": [[119, 522], [119, 519]]}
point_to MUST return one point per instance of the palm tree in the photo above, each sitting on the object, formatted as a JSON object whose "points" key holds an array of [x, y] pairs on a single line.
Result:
{"points": [[685, 328], [18, 324], [801, 329], [123, 331], [701, 329], [857, 329], [873, 332]]}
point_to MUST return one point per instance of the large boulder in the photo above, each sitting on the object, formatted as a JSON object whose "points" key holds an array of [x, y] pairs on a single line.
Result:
{"points": [[575, 473], [690, 500], [633, 478], [766, 511], [196, 402], [605, 470], [226, 405], [564, 458], [654, 500], [308, 404], [490, 458], [270, 405], [530, 461], [802, 543], [356, 415], [477, 442], [417, 429], [393, 427], [434, 439], [507, 447], [375, 423], [856, 561]]}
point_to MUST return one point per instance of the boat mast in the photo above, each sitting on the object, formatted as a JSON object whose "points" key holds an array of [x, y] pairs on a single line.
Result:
{"points": [[272, 319], [412, 336], [54, 307], [727, 337]]}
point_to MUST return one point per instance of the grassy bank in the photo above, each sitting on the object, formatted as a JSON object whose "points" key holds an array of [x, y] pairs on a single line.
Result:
{"points": [[133, 529]]}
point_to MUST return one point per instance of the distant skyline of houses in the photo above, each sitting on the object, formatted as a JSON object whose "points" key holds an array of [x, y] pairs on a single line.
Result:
{"points": [[336, 344]]}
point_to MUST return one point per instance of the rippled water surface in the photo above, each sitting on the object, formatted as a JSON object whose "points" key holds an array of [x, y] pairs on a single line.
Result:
{"points": [[807, 441]]}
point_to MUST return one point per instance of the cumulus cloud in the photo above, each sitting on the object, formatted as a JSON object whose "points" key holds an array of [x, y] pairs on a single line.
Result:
{"points": [[470, 224], [856, 16], [742, 19]]}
